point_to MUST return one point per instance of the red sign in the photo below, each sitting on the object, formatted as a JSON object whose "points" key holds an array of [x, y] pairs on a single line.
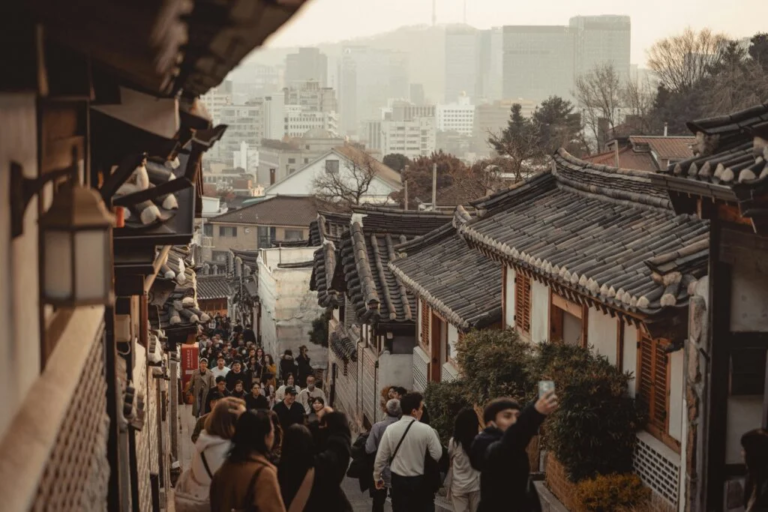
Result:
{"points": [[189, 363]]}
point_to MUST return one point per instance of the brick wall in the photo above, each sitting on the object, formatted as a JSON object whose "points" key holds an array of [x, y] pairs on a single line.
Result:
{"points": [[557, 481]]}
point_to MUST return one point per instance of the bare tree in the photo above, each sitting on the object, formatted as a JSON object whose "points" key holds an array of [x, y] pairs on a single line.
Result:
{"points": [[637, 98], [680, 62], [738, 81], [348, 183], [598, 93]]}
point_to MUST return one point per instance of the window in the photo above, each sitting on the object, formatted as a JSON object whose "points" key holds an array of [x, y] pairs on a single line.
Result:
{"points": [[294, 234], [266, 236], [653, 392], [208, 230], [523, 302], [747, 371], [272, 173], [332, 166], [306, 160], [291, 160], [227, 231]]}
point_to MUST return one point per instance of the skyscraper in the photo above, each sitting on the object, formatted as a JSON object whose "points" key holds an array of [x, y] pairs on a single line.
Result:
{"points": [[308, 64], [462, 62], [601, 40]]}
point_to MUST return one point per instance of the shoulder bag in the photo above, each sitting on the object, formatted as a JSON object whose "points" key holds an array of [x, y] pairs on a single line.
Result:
{"points": [[249, 506]]}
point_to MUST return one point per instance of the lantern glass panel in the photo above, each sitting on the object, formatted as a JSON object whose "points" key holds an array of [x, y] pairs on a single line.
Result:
{"points": [[90, 265], [58, 265]]}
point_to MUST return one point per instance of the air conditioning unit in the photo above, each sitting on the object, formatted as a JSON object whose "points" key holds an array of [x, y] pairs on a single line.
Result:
{"points": [[247, 230]]}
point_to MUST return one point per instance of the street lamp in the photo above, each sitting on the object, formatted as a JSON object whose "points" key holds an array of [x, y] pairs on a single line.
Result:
{"points": [[76, 246]]}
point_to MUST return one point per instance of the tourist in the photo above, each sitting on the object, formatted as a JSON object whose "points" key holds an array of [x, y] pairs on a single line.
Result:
{"points": [[306, 395], [755, 451], [212, 399], [221, 369], [237, 374], [464, 488], [404, 445], [303, 366], [220, 390], [239, 391], [248, 480], [331, 462], [249, 335], [203, 381], [289, 382], [270, 373], [288, 410], [394, 413], [211, 448], [256, 398], [296, 471], [287, 364], [499, 453], [316, 405]]}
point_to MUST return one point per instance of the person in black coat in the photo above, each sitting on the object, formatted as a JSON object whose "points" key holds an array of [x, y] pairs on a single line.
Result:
{"points": [[249, 335], [287, 364], [289, 410], [305, 368], [331, 463], [255, 399], [237, 374], [499, 453]]}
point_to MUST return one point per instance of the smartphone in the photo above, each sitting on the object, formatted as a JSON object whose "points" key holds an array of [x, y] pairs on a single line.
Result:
{"points": [[545, 386]]}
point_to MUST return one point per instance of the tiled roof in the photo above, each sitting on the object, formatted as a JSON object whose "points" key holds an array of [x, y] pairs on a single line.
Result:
{"points": [[459, 283], [628, 159], [666, 148], [326, 231], [275, 211], [728, 164], [366, 251], [212, 287], [174, 293], [596, 230]]}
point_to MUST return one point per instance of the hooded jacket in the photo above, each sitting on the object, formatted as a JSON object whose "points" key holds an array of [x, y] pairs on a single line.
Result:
{"points": [[195, 479], [502, 460]]}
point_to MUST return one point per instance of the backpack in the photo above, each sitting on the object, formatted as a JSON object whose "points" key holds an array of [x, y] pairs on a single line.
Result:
{"points": [[359, 463]]}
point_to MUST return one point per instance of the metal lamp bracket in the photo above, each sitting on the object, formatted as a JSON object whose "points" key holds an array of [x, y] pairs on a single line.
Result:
{"points": [[24, 189]]}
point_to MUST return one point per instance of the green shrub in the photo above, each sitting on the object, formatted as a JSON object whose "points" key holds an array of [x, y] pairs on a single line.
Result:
{"points": [[319, 333], [593, 433], [495, 364], [611, 493], [444, 401]]}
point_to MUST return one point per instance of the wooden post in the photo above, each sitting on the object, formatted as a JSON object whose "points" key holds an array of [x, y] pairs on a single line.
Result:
{"points": [[406, 195], [434, 187]]}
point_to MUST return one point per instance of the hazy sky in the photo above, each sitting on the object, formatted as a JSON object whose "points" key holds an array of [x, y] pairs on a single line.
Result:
{"points": [[335, 20]]}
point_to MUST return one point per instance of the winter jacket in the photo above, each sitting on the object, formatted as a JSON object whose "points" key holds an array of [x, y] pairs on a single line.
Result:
{"points": [[200, 386], [304, 370], [287, 365], [230, 486], [330, 469], [502, 460], [289, 416], [233, 377], [195, 480]]}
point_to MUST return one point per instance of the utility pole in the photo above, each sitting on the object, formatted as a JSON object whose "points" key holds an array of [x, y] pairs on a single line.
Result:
{"points": [[406, 195], [434, 187]]}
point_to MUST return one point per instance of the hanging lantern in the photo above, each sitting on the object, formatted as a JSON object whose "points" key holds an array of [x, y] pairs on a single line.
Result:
{"points": [[77, 252]]}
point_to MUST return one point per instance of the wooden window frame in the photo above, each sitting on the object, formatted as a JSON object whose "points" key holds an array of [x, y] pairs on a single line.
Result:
{"points": [[523, 306], [653, 426], [559, 305]]}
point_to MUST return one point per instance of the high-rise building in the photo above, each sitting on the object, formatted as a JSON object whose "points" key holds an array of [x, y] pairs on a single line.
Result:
{"points": [[308, 64], [244, 124], [456, 117], [492, 118], [310, 96], [412, 138], [368, 78], [541, 61], [601, 40], [299, 120], [399, 110], [538, 62], [217, 98], [417, 94], [462, 61]]}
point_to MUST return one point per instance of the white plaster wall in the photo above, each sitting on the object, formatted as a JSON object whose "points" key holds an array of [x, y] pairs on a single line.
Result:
{"points": [[571, 329], [749, 300], [539, 312], [19, 328], [453, 338], [676, 391], [744, 414], [602, 333], [509, 314], [630, 355], [302, 182], [287, 306], [395, 370]]}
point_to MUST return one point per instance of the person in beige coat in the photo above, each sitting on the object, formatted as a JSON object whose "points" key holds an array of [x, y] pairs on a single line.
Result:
{"points": [[202, 381], [247, 479]]}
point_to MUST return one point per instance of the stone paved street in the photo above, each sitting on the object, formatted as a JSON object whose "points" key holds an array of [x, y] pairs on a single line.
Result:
{"points": [[361, 502]]}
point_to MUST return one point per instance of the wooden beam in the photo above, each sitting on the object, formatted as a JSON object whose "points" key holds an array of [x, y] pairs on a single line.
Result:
{"points": [[150, 279]]}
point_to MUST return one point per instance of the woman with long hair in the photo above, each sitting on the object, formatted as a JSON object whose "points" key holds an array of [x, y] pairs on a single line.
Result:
{"points": [[296, 471], [332, 455], [464, 487], [304, 366], [755, 451], [248, 480], [270, 371], [211, 449]]}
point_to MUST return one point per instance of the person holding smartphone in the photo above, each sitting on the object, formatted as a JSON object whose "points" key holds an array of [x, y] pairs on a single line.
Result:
{"points": [[499, 453]]}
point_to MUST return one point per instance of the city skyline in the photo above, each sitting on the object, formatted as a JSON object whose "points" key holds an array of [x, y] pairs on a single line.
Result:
{"points": [[651, 20]]}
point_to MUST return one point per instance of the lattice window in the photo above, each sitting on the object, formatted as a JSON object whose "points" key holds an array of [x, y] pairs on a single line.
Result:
{"points": [[523, 302], [420, 369], [653, 384], [657, 467], [425, 317]]}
